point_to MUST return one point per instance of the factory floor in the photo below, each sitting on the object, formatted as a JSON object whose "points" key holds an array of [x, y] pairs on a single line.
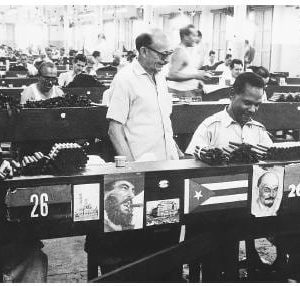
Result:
{"points": [[68, 261]]}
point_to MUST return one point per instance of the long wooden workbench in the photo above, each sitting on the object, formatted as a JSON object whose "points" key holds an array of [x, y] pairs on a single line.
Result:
{"points": [[71, 123], [164, 181]]}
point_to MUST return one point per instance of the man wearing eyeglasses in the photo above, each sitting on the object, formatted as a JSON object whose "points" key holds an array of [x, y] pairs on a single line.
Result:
{"points": [[45, 87], [267, 185], [140, 107], [79, 64], [184, 76], [140, 129]]}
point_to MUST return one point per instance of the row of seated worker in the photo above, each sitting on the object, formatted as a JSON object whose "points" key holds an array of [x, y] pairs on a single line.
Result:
{"points": [[17, 60], [223, 76], [24, 68]]}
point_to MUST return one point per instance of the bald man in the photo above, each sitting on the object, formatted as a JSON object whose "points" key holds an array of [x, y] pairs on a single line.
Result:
{"points": [[140, 129], [267, 185], [140, 106], [46, 87]]}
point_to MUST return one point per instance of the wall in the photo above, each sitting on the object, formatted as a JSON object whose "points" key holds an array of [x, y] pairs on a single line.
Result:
{"points": [[285, 53]]}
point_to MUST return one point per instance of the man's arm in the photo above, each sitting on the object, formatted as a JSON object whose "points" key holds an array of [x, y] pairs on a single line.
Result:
{"points": [[201, 139], [26, 95], [178, 62], [117, 137]]}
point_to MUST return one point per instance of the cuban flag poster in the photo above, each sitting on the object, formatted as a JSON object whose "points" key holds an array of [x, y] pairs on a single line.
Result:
{"points": [[214, 193]]}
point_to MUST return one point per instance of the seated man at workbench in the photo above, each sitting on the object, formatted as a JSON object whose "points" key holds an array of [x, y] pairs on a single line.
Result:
{"points": [[79, 64], [45, 87], [233, 124], [21, 258], [23, 64], [235, 69]]}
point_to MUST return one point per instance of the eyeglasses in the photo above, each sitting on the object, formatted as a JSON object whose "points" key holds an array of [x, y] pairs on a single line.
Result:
{"points": [[49, 78], [162, 55], [270, 191]]}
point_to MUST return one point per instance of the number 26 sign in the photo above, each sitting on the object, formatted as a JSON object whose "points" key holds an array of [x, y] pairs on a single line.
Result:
{"points": [[291, 193]]}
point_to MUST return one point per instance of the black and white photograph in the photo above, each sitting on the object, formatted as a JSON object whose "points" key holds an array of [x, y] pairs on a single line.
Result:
{"points": [[123, 202], [267, 190], [162, 212], [136, 139], [86, 202]]}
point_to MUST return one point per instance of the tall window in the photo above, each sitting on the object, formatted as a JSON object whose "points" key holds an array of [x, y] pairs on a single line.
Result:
{"points": [[219, 35], [196, 20], [263, 35]]}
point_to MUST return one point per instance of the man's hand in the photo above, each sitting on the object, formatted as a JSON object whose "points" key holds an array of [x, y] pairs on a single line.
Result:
{"points": [[6, 170], [203, 75], [202, 153]]}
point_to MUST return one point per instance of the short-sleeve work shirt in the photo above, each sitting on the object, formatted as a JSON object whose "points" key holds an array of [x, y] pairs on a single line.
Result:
{"points": [[219, 129], [143, 106]]}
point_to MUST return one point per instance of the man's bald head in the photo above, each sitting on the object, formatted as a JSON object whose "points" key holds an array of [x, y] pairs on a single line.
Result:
{"points": [[268, 185], [154, 50], [154, 36]]}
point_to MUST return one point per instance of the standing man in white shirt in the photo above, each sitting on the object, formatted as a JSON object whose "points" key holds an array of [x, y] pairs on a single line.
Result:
{"points": [[184, 76], [140, 106], [79, 64], [140, 128]]}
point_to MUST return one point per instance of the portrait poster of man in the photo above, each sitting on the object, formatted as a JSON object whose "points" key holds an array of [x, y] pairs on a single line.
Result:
{"points": [[267, 190], [123, 202]]}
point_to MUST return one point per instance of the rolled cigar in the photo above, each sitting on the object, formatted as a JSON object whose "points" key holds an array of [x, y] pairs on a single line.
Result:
{"points": [[37, 155], [136, 205], [257, 151], [33, 159], [30, 159], [258, 148], [233, 146], [234, 143], [224, 149], [262, 146], [26, 160]]}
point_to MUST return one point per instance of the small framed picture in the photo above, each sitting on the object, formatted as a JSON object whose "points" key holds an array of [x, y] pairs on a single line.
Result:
{"points": [[86, 202], [123, 202], [162, 212], [267, 190]]}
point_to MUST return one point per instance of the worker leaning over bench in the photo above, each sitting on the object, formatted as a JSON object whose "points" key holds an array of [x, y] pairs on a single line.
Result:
{"points": [[45, 88], [233, 124], [21, 257], [140, 129], [79, 64]]}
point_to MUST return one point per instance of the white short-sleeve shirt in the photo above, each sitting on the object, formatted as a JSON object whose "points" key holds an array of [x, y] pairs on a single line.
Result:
{"points": [[144, 108], [219, 129], [32, 93], [65, 78]]}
